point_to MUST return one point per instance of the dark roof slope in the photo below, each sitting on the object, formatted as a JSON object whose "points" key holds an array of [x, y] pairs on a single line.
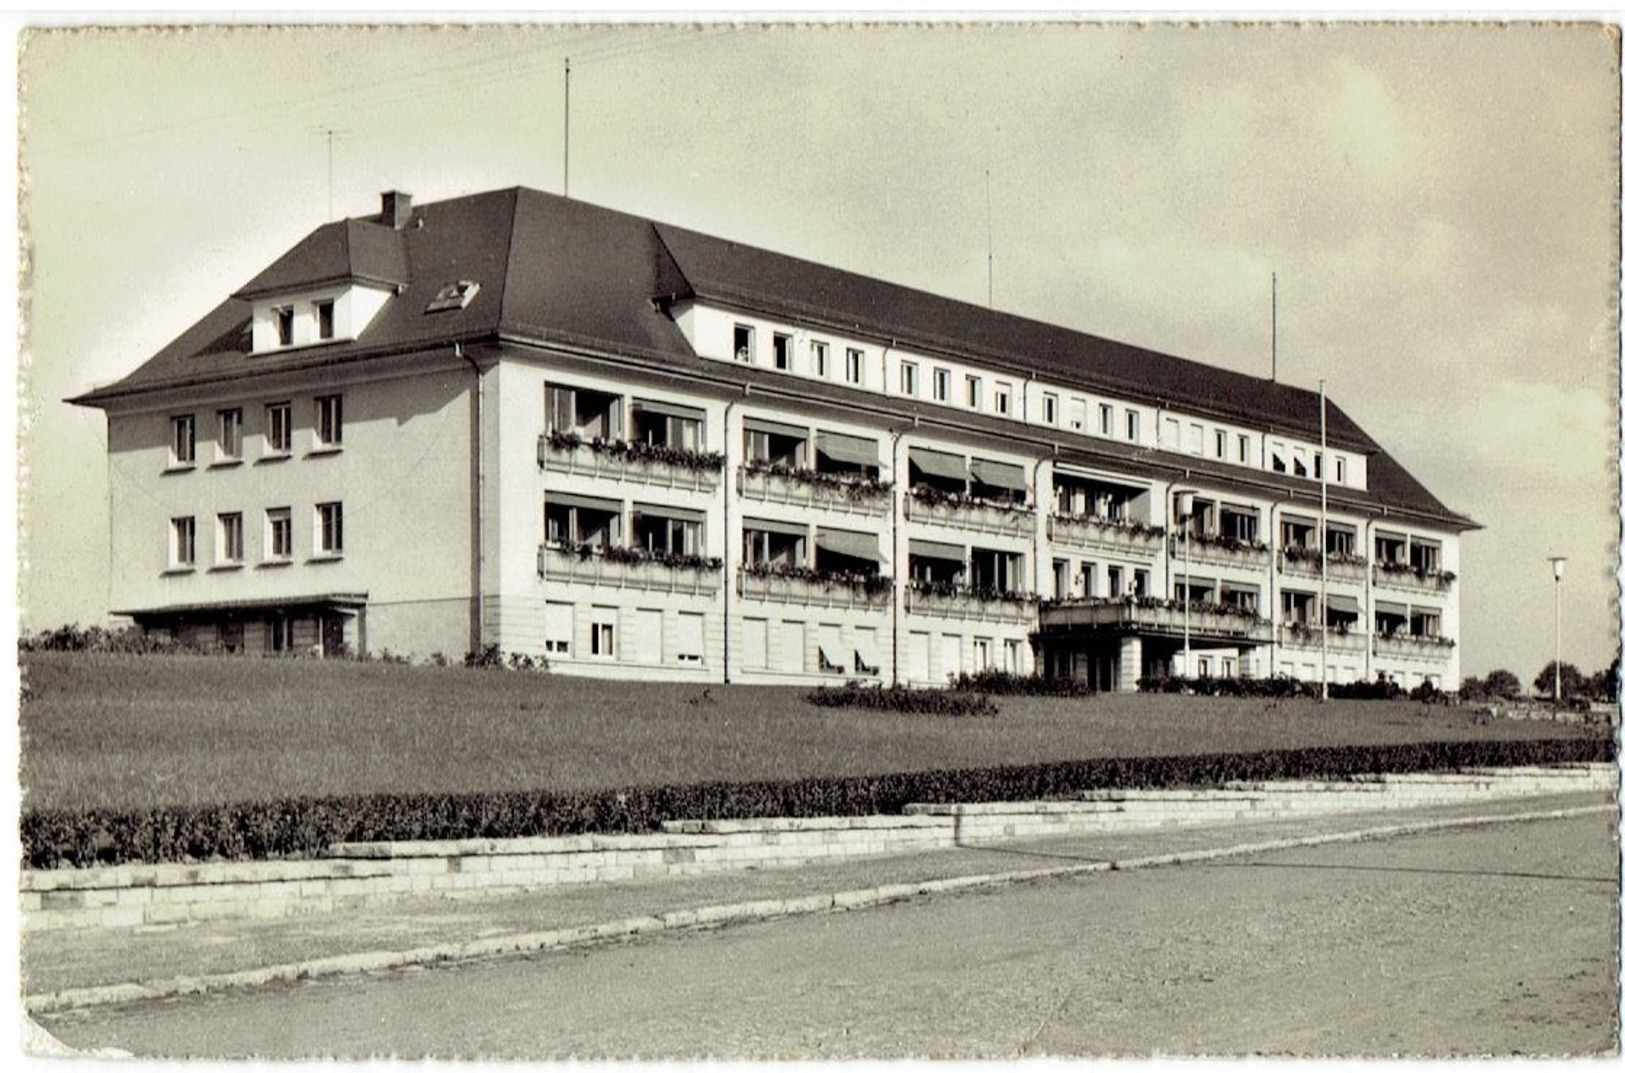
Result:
{"points": [[552, 270]]}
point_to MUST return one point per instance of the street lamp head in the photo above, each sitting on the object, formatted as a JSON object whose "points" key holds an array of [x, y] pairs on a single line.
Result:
{"points": [[1557, 562]]}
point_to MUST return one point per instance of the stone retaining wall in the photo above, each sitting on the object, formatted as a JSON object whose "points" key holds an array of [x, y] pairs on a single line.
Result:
{"points": [[369, 873]]}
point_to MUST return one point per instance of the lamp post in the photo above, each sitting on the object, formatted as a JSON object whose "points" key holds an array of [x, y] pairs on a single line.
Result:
{"points": [[1557, 562]]}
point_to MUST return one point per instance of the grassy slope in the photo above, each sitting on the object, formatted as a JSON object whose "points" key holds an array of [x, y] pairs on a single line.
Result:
{"points": [[128, 731]]}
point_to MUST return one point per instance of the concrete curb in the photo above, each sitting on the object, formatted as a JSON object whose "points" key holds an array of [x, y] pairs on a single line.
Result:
{"points": [[716, 916]]}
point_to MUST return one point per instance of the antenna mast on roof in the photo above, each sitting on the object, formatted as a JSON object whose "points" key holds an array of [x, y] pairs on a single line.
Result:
{"points": [[1272, 327], [987, 181], [566, 126], [331, 133]]}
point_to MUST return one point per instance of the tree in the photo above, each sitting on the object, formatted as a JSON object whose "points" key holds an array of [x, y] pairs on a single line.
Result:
{"points": [[1574, 683], [1504, 684], [1604, 685]]}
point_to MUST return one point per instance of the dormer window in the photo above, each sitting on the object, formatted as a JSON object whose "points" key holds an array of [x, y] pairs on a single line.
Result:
{"points": [[324, 320], [283, 315]]}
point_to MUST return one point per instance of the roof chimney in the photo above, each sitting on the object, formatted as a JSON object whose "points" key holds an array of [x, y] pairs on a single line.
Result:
{"points": [[397, 209]]}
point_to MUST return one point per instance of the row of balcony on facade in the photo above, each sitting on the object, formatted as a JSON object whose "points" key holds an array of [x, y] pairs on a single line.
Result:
{"points": [[785, 465]]}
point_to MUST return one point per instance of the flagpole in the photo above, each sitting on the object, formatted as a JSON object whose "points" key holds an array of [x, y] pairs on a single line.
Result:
{"points": [[1325, 688]]}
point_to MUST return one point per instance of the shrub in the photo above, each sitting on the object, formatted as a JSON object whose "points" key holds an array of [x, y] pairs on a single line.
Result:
{"points": [[903, 699], [306, 827], [1005, 684], [487, 658]]}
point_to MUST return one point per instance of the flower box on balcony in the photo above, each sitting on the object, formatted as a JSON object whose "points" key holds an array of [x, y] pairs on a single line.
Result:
{"points": [[1118, 534], [778, 483], [963, 511], [806, 585], [650, 463], [1416, 578], [628, 568], [1305, 562], [964, 601], [1215, 548]]}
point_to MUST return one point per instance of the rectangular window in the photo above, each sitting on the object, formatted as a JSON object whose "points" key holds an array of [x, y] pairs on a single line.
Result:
{"points": [[1319, 466], [1105, 419], [1242, 450], [183, 542], [324, 320], [940, 384], [561, 626], [854, 365], [973, 392], [1340, 470], [230, 537], [1114, 581], [182, 440], [691, 637], [820, 353], [279, 428], [601, 636], [330, 528], [781, 352], [1131, 422], [279, 533], [329, 420], [1221, 446], [284, 325], [744, 342], [1195, 437], [1052, 409], [1001, 398], [1080, 415], [231, 434], [910, 378]]}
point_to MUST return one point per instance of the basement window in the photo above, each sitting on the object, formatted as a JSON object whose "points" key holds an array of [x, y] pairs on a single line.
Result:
{"points": [[454, 296]]}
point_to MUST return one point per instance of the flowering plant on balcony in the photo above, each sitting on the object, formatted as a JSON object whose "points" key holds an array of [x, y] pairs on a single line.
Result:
{"points": [[854, 486], [868, 584], [1128, 525], [932, 496], [637, 556], [1421, 573], [638, 451], [1228, 543], [980, 593]]}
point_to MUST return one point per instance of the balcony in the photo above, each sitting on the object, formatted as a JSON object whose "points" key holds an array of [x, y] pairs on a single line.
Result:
{"points": [[957, 511], [629, 568], [1106, 534], [1414, 646], [1148, 615], [624, 460], [1408, 578], [1216, 550], [947, 600], [812, 488], [806, 586], [1295, 635], [1340, 566]]}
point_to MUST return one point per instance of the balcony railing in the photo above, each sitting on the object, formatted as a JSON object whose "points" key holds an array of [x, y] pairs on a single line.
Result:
{"points": [[811, 488], [1222, 551], [626, 460], [962, 601], [627, 568], [1392, 575], [1167, 618], [1108, 534], [803, 585], [1342, 641], [1305, 562], [925, 504], [1416, 646]]}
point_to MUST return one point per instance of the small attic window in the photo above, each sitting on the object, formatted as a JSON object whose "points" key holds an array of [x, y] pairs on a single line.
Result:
{"points": [[454, 296]]}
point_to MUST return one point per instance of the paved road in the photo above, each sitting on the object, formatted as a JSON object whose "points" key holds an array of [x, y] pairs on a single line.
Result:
{"points": [[1493, 940]]}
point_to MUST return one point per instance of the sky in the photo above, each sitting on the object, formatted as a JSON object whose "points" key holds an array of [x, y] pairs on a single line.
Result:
{"points": [[1439, 203]]}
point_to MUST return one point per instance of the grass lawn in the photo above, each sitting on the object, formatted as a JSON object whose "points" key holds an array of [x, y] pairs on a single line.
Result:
{"points": [[136, 731]]}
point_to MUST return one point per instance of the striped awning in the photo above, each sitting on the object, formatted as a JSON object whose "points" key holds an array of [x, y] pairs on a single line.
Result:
{"points": [[932, 549], [681, 514], [669, 409], [1390, 609], [774, 428], [938, 463], [846, 542], [853, 450], [998, 474], [769, 525], [1343, 605], [570, 499]]}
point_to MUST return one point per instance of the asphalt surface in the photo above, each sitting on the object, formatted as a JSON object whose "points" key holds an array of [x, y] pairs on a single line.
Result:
{"points": [[71, 967], [1483, 939]]}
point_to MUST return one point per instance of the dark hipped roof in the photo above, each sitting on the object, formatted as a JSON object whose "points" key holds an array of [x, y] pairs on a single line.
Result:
{"points": [[553, 270]]}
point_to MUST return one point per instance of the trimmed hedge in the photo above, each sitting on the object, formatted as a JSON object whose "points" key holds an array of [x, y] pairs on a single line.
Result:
{"points": [[1005, 684], [1281, 686], [902, 699], [305, 827]]}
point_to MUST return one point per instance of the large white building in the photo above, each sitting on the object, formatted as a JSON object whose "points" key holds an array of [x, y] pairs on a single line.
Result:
{"points": [[517, 420]]}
